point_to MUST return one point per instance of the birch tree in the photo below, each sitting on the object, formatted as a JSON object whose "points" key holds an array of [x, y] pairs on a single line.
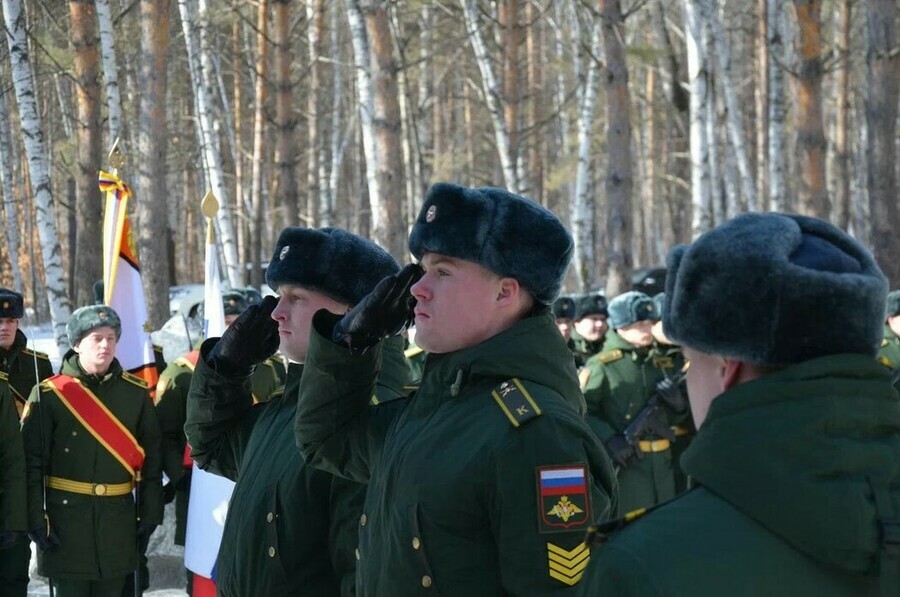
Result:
{"points": [[698, 76], [256, 163], [840, 170], [110, 70], [10, 200], [315, 27], [777, 107], [38, 171]]}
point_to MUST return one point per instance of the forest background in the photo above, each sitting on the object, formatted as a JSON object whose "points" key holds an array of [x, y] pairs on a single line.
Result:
{"points": [[641, 123]]}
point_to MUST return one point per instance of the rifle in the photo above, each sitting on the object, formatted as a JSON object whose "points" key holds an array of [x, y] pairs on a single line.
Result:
{"points": [[652, 416]]}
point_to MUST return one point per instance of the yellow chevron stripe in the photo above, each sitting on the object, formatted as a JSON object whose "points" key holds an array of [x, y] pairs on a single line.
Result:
{"points": [[567, 566], [527, 395], [569, 555], [565, 579], [569, 563], [570, 572]]}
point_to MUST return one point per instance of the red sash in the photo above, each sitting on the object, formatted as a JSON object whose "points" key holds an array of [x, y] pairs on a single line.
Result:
{"points": [[99, 421]]}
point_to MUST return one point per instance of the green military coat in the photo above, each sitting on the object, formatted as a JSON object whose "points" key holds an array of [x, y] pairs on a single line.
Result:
{"points": [[795, 470], [12, 465], [463, 475], [171, 409], [617, 384], [291, 529], [670, 360], [25, 368], [889, 353], [583, 349], [96, 533]]}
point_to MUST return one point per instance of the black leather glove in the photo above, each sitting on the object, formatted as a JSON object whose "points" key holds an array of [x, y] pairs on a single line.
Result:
{"points": [[9, 538], [44, 541], [671, 395], [623, 453], [386, 311], [248, 341]]}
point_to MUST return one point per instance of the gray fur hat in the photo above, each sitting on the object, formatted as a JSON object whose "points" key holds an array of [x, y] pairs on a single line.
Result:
{"points": [[630, 307], [332, 261], [774, 289], [893, 303], [658, 303], [91, 317], [505, 233], [12, 306]]}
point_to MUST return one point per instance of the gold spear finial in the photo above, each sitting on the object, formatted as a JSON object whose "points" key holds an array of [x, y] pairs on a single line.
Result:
{"points": [[116, 157], [209, 207]]}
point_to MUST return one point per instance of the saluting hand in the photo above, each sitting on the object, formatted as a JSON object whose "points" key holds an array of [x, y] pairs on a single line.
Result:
{"points": [[386, 311], [249, 340]]}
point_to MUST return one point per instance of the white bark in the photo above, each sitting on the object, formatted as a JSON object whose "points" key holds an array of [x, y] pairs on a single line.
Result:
{"points": [[491, 91], [10, 201], [110, 69], [202, 77], [698, 78], [777, 108], [582, 203], [712, 149], [326, 198], [36, 152]]}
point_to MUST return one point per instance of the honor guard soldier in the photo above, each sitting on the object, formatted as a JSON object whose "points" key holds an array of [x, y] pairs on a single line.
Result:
{"points": [[24, 368], [486, 478], [590, 327], [92, 463], [889, 353], [171, 409], [291, 529], [13, 520], [564, 316], [797, 452], [624, 410]]}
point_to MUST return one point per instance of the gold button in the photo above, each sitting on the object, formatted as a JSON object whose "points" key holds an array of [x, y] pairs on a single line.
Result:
{"points": [[363, 520], [74, 433], [271, 552], [426, 581], [270, 517], [65, 449], [627, 417], [357, 553], [65, 502], [416, 543], [100, 489]]}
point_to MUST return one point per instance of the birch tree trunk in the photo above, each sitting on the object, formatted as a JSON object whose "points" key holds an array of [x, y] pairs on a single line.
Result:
{"points": [[111, 73], [777, 108], [256, 163], [200, 65], [88, 207], [761, 96], [618, 138], [315, 26], [152, 147], [698, 76], [511, 36], [326, 207], [882, 83], [840, 170], [38, 171], [491, 90], [582, 203], [10, 198], [812, 190]]}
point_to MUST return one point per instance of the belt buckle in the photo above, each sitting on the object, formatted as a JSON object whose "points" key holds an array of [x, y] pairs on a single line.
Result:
{"points": [[98, 489]]}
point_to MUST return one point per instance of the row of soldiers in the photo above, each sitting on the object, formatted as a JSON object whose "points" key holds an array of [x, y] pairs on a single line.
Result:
{"points": [[500, 471]]}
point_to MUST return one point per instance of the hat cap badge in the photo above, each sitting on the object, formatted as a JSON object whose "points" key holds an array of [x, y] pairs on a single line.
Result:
{"points": [[284, 252], [431, 213], [101, 314], [6, 304]]}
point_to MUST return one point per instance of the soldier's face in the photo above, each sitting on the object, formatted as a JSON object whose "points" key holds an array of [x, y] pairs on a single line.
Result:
{"points": [[894, 324], [97, 349], [294, 313], [458, 304], [564, 325], [592, 327], [639, 333], [8, 327]]}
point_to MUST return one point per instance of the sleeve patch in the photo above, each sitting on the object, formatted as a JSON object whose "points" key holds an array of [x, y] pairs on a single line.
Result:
{"points": [[567, 566], [611, 356], [564, 498], [515, 402]]}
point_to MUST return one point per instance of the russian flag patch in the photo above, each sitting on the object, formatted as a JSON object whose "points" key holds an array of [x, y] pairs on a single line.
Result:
{"points": [[563, 498]]}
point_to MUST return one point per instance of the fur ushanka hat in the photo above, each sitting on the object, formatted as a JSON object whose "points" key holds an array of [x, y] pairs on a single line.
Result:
{"points": [[91, 317], [630, 307]]}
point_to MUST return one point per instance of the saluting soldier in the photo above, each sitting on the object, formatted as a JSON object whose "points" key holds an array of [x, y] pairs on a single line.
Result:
{"points": [[92, 433], [618, 385], [291, 529], [486, 478], [24, 368], [797, 452], [171, 409], [13, 520], [889, 353], [589, 335]]}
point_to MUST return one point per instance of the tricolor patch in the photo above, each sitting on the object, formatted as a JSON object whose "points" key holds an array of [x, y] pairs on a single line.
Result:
{"points": [[563, 498]]}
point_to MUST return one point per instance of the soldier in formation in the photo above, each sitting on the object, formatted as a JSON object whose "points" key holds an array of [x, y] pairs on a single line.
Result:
{"points": [[590, 327], [564, 316], [797, 453], [889, 353]]}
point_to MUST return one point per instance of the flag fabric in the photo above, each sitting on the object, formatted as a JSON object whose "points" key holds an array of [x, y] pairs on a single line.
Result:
{"points": [[210, 494], [122, 287]]}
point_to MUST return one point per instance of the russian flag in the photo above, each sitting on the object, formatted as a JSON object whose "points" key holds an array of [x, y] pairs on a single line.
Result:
{"points": [[563, 481]]}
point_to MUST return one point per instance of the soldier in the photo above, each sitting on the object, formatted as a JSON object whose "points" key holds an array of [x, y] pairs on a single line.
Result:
{"points": [[13, 520], [796, 454], [292, 528], [889, 354], [91, 431], [171, 409], [564, 315], [618, 386], [590, 327], [484, 480], [24, 368]]}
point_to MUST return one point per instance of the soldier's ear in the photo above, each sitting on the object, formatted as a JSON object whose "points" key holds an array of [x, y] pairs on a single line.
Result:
{"points": [[510, 291]]}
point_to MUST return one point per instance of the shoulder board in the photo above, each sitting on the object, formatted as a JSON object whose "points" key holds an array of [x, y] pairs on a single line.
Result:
{"points": [[4, 376], [276, 393], [134, 379], [40, 355], [413, 351], [610, 356], [409, 389], [515, 402], [599, 534], [886, 362]]}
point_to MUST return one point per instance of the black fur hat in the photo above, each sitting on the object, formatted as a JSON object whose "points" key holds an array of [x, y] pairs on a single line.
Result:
{"points": [[775, 289], [893, 303], [503, 232], [332, 261], [564, 308], [592, 303], [11, 304], [233, 302]]}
